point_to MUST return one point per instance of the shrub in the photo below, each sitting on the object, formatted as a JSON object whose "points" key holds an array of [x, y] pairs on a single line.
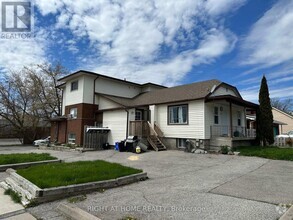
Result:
{"points": [[224, 149], [14, 195]]}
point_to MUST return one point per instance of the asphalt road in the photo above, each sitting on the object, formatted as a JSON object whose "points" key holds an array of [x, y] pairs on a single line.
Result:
{"points": [[183, 186]]}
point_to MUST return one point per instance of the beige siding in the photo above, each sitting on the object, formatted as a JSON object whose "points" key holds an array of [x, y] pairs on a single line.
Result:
{"points": [[107, 104], [283, 117], [195, 127], [117, 122], [222, 90], [63, 101], [74, 97], [111, 87], [224, 116], [88, 89]]}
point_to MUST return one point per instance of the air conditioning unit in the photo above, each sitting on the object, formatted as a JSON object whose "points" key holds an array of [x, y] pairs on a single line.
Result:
{"points": [[69, 116]]}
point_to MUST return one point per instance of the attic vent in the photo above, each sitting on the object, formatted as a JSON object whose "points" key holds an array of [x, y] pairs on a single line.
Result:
{"points": [[213, 89]]}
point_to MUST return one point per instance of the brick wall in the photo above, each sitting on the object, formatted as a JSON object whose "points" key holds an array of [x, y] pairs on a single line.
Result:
{"points": [[85, 116]]}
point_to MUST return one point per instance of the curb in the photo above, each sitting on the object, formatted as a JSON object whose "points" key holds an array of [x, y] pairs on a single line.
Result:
{"points": [[288, 215], [27, 164], [75, 213], [31, 192], [10, 214]]}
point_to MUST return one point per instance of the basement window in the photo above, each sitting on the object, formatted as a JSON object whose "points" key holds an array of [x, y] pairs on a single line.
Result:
{"points": [[71, 138], [181, 143]]}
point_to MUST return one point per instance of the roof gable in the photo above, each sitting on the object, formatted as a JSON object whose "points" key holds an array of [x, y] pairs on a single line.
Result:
{"points": [[225, 89]]}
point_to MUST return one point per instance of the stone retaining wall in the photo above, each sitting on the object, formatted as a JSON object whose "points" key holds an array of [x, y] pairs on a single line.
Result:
{"points": [[27, 164], [23, 186]]}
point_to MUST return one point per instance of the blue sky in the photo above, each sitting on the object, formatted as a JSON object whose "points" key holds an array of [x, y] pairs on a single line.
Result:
{"points": [[168, 42]]}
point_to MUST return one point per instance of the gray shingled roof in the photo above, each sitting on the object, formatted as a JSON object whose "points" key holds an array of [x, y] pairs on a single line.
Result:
{"points": [[198, 90]]}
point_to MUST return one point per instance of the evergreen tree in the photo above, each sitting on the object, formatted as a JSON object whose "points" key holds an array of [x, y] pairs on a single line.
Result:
{"points": [[265, 116]]}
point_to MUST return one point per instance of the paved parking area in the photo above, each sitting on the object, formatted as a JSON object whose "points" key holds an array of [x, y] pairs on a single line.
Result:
{"points": [[184, 186]]}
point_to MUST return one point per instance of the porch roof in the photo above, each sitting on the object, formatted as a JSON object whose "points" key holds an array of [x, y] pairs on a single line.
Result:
{"points": [[59, 118], [234, 100]]}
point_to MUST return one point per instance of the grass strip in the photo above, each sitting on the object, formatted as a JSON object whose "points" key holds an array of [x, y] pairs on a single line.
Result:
{"points": [[24, 157], [270, 152], [64, 174]]}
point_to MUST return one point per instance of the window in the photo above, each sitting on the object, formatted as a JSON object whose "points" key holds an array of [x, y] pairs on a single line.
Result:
{"points": [[71, 138], [74, 86], [138, 115], [181, 143], [216, 115], [239, 118], [73, 113], [178, 114]]}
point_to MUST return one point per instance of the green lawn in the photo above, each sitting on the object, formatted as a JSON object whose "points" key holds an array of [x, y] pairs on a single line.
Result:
{"points": [[63, 174], [22, 158], [274, 153]]}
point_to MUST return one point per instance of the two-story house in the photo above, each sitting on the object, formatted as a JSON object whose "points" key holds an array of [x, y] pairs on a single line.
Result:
{"points": [[209, 112]]}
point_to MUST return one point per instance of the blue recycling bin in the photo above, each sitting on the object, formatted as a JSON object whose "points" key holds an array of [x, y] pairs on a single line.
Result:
{"points": [[116, 146]]}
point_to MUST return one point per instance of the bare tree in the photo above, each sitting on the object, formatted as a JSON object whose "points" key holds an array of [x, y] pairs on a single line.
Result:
{"points": [[285, 105], [29, 98]]}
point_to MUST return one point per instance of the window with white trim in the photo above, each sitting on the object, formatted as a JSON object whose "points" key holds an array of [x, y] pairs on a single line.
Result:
{"points": [[238, 118], [178, 114], [71, 138], [216, 115], [138, 115], [74, 86], [73, 113]]}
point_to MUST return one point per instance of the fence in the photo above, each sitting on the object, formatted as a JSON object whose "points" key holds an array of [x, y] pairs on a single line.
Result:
{"points": [[95, 137], [283, 142]]}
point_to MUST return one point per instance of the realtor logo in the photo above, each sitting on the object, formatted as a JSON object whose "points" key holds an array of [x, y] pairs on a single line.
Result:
{"points": [[16, 16]]}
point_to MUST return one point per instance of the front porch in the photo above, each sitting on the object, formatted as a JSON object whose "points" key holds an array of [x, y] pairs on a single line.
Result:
{"points": [[231, 136]]}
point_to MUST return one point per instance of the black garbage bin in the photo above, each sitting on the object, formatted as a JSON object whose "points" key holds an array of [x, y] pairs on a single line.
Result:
{"points": [[122, 147], [131, 143]]}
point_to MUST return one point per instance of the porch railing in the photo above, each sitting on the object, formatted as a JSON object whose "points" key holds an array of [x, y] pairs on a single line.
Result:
{"points": [[139, 128], [158, 130], [234, 132]]}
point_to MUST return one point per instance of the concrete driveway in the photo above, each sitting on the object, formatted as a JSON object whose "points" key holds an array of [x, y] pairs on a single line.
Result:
{"points": [[184, 186]]}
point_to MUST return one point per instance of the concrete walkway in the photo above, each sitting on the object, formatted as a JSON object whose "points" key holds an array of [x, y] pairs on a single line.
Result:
{"points": [[182, 186], [11, 210]]}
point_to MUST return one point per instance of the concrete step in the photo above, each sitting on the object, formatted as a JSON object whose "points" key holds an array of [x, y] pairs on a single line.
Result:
{"points": [[25, 195]]}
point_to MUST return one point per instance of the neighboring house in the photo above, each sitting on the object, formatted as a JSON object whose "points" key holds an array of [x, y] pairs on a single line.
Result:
{"points": [[284, 117], [207, 113]]}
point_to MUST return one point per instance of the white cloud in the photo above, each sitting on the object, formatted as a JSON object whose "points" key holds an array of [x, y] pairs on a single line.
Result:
{"points": [[146, 40], [270, 41], [16, 54], [217, 7], [47, 7]]}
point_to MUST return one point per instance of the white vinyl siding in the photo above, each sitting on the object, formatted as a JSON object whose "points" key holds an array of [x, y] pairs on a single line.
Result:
{"points": [[107, 104], [195, 127], [75, 96], [111, 87], [117, 122], [222, 90]]}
